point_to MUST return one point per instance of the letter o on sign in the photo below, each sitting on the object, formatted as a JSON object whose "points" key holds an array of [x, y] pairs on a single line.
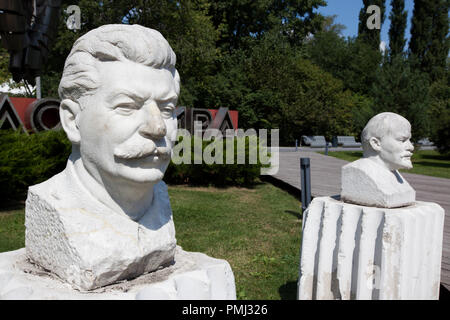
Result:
{"points": [[43, 115]]}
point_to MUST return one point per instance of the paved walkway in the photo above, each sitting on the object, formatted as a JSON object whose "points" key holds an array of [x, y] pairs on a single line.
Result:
{"points": [[326, 177]]}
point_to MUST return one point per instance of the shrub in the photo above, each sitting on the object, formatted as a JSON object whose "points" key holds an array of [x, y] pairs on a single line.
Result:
{"points": [[26, 160], [442, 134], [30, 159], [217, 174]]}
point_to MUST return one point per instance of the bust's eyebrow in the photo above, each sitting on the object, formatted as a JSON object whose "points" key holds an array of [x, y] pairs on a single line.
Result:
{"points": [[168, 98], [129, 94]]}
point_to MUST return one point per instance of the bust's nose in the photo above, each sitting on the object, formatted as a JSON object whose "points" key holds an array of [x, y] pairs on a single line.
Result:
{"points": [[154, 126], [410, 146]]}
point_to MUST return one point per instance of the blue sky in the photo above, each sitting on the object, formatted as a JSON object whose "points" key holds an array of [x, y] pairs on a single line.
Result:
{"points": [[347, 12]]}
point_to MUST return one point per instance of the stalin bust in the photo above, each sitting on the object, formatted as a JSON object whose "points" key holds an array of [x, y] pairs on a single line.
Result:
{"points": [[107, 216]]}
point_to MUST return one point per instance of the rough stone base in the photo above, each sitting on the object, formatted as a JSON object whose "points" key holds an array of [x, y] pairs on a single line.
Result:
{"points": [[366, 183], [366, 253], [192, 276], [88, 245]]}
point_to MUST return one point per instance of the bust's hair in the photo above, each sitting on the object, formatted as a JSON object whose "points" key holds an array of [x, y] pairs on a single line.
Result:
{"points": [[380, 125], [114, 42]]}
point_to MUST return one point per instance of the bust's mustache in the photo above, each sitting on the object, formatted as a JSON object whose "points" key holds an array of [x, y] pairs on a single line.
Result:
{"points": [[139, 147]]}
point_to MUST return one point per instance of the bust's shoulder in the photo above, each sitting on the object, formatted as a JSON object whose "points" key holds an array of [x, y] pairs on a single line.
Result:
{"points": [[57, 182], [61, 188], [363, 164]]}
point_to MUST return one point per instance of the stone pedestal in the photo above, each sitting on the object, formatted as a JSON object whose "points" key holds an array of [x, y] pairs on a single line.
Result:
{"points": [[368, 253], [192, 276]]}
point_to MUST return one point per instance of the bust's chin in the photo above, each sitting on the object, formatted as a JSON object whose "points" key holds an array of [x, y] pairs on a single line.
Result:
{"points": [[142, 175], [407, 166], [398, 166], [142, 172]]}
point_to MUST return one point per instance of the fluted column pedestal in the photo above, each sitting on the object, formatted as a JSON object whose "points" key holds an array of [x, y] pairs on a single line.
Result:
{"points": [[367, 253]]}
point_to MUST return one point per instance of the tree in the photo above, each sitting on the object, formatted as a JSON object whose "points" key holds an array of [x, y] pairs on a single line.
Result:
{"points": [[440, 114], [429, 43], [439, 47], [398, 18], [237, 20], [401, 89], [329, 25], [350, 60], [370, 36], [298, 97]]}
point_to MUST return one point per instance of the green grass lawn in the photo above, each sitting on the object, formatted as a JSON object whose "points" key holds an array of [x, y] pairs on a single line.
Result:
{"points": [[256, 230], [12, 230], [427, 162]]}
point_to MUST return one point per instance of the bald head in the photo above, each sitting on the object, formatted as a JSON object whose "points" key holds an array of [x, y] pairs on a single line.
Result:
{"points": [[381, 125], [386, 140]]}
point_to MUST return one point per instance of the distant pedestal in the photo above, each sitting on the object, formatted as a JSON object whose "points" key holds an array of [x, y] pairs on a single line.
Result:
{"points": [[193, 276], [367, 253]]}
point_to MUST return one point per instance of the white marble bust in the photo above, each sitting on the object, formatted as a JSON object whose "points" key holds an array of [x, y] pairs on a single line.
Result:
{"points": [[107, 216], [374, 180]]}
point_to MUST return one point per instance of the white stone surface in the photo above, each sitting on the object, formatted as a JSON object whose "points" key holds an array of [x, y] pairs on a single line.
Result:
{"points": [[193, 276], [107, 216], [84, 242], [367, 253], [374, 180], [367, 183]]}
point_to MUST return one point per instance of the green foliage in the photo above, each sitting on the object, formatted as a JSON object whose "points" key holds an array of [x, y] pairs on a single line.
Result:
{"points": [[240, 20], [440, 115], [351, 60], [442, 133], [429, 43], [184, 24], [366, 35], [317, 104], [273, 86], [398, 18], [219, 175], [401, 89], [30, 159], [361, 112]]}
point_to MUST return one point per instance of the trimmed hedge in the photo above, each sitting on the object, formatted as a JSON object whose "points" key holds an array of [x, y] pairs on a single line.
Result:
{"points": [[218, 175], [30, 159]]}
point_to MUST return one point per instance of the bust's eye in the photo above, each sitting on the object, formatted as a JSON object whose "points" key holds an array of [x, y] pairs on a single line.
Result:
{"points": [[167, 110], [125, 109]]}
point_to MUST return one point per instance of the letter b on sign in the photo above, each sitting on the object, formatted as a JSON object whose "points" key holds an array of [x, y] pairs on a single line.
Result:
{"points": [[374, 21], [74, 20]]}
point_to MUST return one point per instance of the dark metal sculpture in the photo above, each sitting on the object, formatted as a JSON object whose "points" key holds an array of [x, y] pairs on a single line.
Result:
{"points": [[27, 28]]}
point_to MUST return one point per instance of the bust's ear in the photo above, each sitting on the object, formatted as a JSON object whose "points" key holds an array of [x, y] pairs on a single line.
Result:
{"points": [[68, 113], [375, 143]]}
